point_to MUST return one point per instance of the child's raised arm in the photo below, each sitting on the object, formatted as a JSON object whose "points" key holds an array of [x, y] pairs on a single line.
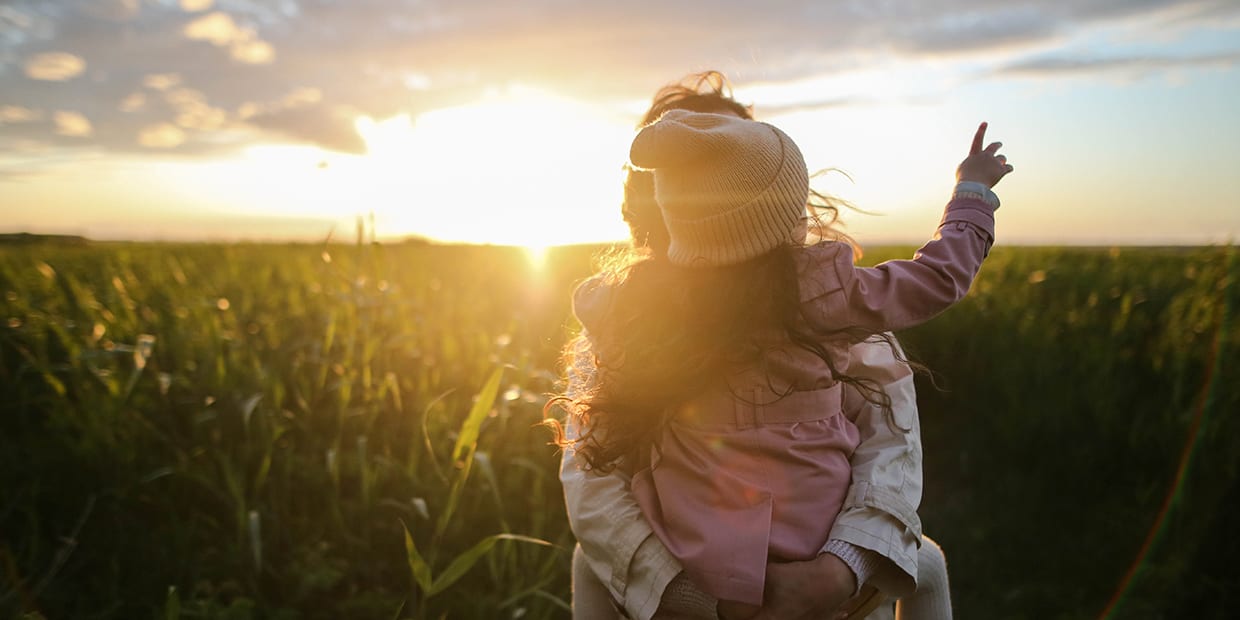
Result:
{"points": [[903, 293]]}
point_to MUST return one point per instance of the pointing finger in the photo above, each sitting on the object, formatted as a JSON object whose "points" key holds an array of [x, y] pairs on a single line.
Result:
{"points": [[978, 138]]}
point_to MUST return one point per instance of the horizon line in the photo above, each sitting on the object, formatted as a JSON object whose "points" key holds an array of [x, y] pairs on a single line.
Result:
{"points": [[28, 238]]}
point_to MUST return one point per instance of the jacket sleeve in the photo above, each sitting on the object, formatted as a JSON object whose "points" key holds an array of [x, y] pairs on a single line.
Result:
{"points": [[880, 510], [616, 539], [902, 293]]}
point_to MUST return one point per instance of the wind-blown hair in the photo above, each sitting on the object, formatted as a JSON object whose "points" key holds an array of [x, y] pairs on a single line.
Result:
{"points": [[668, 333]]}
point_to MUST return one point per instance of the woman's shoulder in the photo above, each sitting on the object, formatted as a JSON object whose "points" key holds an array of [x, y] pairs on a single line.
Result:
{"points": [[821, 267]]}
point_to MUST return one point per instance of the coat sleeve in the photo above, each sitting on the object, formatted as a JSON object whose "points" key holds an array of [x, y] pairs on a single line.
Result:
{"points": [[616, 539], [902, 293], [880, 510]]}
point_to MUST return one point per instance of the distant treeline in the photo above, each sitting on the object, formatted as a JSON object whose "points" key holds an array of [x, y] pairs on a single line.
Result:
{"points": [[24, 238]]}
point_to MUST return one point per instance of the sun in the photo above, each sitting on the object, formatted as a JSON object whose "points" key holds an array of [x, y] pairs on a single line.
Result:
{"points": [[536, 254], [522, 167]]}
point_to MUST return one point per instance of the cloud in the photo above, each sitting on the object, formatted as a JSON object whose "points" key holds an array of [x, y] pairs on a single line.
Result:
{"points": [[228, 74], [18, 114], [253, 52], [1059, 66], [200, 116], [979, 30], [112, 10], [72, 124], [217, 28], [161, 136], [302, 96], [220, 30], [161, 81], [814, 105], [327, 126], [133, 102], [54, 66], [194, 6]]}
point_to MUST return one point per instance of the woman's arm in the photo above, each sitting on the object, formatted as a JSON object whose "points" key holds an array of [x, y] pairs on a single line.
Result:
{"points": [[880, 510], [618, 544], [877, 533]]}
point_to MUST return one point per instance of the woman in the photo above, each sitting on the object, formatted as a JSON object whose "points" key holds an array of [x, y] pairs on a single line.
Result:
{"points": [[876, 538]]}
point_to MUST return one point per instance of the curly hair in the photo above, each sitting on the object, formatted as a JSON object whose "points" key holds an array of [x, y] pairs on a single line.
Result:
{"points": [[672, 332]]}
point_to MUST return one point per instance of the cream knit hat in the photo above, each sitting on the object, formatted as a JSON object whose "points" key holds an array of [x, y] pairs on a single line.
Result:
{"points": [[730, 189]]}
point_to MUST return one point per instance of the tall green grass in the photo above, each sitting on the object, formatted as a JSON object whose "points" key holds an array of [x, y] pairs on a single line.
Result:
{"points": [[1077, 381], [264, 431], [252, 425]]}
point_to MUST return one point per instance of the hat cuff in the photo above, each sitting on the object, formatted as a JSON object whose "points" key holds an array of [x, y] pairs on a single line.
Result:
{"points": [[746, 232]]}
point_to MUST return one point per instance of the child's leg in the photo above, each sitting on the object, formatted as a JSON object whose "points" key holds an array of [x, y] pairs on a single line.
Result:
{"points": [[590, 597], [932, 600]]}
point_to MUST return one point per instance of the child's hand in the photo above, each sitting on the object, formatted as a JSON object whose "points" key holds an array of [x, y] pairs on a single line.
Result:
{"points": [[984, 166]]}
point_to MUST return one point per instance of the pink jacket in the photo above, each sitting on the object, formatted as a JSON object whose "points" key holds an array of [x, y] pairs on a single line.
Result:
{"points": [[879, 514]]}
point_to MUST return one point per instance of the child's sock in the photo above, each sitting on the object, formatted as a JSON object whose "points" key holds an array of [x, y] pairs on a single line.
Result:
{"points": [[932, 600]]}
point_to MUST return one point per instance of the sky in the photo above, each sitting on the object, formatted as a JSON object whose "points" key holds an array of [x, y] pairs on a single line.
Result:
{"points": [[489, 121]]}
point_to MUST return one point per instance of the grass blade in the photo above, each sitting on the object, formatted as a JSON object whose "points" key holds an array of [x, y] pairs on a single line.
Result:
{"points": [[418, 567], [462, 563], [466, 443], [468, 438], [172, 604]]}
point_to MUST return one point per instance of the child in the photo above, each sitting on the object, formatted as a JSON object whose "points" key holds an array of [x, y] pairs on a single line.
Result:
{"points": [[720, 369]]}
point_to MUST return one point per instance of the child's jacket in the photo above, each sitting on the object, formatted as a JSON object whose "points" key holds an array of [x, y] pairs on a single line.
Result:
{"points": [[754, 469]]}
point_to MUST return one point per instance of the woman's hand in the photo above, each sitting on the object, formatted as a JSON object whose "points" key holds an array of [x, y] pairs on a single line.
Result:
{"points": [[983, 166], [813, 589]]}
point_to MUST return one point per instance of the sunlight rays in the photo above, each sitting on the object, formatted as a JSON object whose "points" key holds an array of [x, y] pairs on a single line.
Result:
{"points": [[529, 168]]}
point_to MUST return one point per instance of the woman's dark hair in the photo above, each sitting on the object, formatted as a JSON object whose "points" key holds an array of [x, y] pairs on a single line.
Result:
{"points": [[672, 332]]}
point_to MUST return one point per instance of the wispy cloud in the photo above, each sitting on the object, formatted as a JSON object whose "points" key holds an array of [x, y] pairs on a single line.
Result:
{"points": [[197, 76], [220, 30], [72, 124], [1059, 66], [328, 126], [813, 105], [54, 66]]}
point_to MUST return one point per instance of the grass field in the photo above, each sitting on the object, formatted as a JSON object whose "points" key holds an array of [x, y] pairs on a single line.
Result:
{"points": [[264, 431]]}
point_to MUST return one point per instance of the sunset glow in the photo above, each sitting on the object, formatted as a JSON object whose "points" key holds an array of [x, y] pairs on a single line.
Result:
{"points": [[519, 168], [491, 125]]}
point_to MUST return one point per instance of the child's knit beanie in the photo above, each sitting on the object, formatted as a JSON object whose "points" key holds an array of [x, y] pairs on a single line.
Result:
{"points": [[729, 189]]}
